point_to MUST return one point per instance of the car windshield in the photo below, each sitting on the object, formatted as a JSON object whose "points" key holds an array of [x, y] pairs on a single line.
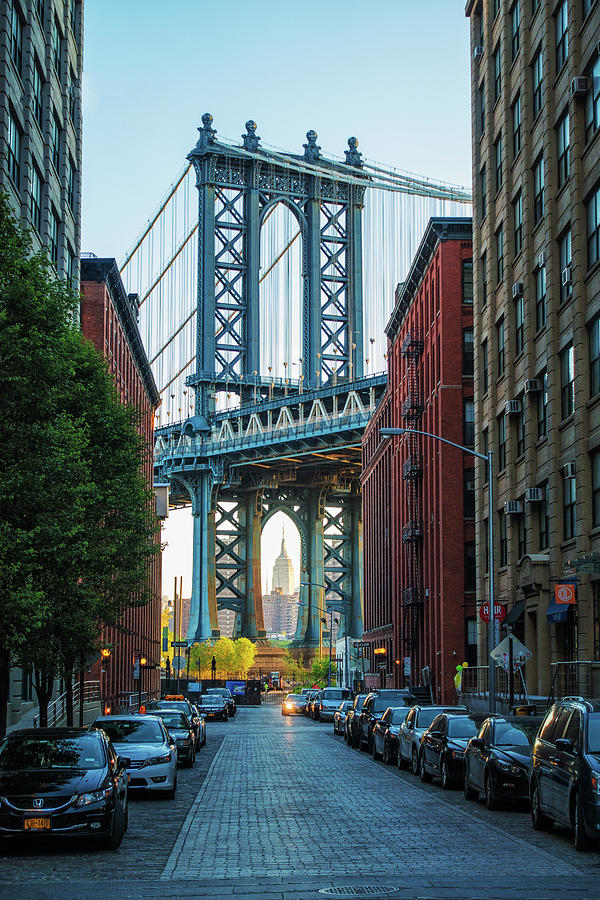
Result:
{"points": [[133, 731], [25, 753], [222, 692], [507, 735], [211, 700], [594, 733], [329, 694], [425, 717], [399, 715], [177, 704], [174, 719], [459, 727]]}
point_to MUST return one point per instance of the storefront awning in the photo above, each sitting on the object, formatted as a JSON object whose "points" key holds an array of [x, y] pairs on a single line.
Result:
{"points": [[557, 612], [515, 613]]}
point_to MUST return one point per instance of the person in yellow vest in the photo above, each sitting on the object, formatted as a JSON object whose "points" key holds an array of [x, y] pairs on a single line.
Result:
{"points": [[458, 678]]}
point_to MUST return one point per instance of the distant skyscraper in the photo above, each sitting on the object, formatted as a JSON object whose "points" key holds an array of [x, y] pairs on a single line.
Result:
{"points": [[283, 572]]}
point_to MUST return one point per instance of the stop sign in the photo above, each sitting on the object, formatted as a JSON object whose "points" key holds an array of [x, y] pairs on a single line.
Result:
{"points": [[499, 612]]}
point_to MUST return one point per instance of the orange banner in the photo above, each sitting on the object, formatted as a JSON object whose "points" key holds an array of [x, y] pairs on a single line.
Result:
{"points": [[564, 593]]}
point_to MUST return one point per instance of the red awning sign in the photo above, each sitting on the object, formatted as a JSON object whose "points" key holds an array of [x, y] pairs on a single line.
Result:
{"points": [[564, 593], [499, 612]]}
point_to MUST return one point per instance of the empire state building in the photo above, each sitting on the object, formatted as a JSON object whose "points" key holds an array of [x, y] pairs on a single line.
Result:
{"points": [[283, 572]]}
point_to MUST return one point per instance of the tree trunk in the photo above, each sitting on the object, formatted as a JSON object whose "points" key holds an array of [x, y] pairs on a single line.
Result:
{"points": [[43, 683], [69, 693], [4, 690]]}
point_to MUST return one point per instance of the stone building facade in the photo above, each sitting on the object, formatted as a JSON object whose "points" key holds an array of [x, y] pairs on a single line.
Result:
{"points": [[535, 96]]}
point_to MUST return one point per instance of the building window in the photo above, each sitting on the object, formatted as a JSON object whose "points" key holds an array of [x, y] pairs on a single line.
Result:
{"points": [[515, 21], [35, 205], [498, 165], [56, 41], [503, 539], [567, 381], [593, 227], [519, 325], [483, 185], [55, 140], [562, 35], [564, 252], [467, 351], [497, 5], [592, 101], [71, 262], [497, 73], [469, 422], [595, 488], [516, 119], [71, 183], [482, 106], [518, 221], [564, 152], [520, 422], [540, 297], [538, 190], [537, 75], [501, 420], [543, 521], [542, 404], [37, 93], [521, 536], [535, 4], [500, 254], [486, 546], [467, 281], [469, 565], [587, 6], [596, 602], [53, 236], [72, 97], [595, 357], [16, 38], [501, 339], [469, 493], [14, 150], [484, 283], [569, 494], [39, 6], [484, 367]]}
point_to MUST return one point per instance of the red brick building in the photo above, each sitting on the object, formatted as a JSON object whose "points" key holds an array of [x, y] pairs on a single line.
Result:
{"points": [[109, 320], [418, 493]]}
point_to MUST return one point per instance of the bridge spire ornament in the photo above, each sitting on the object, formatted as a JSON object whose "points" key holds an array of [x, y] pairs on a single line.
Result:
{"points": [[353, 157], [312, 151], [251, 139], [207, 133]]}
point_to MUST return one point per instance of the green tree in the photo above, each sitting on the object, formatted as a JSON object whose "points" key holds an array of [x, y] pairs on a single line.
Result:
{"points": [[245, 656]]}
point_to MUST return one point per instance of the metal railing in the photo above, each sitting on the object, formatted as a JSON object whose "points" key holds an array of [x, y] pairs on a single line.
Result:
{"points": [[475, 681], [571, 678], [57, 709]]}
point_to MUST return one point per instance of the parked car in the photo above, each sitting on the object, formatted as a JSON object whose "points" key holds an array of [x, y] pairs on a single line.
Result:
{"points": [[328, 703], [293, 705], [443, 748], [385, 734], [202, 727], [564, 778], [212, 706], [309, 696], [339, 716], [63, 782], [180, 729], [151, 752], [412, 729], [352, 714], [184, 706], [228, 698], [497, 760], [372, 710], [313, 704]]}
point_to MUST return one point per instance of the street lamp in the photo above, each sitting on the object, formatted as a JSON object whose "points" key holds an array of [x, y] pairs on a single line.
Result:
{"points": [[390, 432], [323, 621]]}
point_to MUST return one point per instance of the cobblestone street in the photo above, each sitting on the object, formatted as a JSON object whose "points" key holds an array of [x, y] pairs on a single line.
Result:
{"points": [[279, 807]]}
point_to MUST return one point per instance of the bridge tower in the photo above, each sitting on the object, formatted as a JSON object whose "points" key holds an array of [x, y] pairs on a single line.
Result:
{"points": [[233, 489]]}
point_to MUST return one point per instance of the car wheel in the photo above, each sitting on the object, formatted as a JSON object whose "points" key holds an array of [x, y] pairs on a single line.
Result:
{"points": [[469, 792], [581, 841], [387, 759], [490, 801], [374, 752], [539, 820], [170, 795], [423, 773], [415, 763], [116, 832], [401, 762], [444, 775]]}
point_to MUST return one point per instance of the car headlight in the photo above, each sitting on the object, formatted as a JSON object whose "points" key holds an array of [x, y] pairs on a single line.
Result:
{"points": [[95, 796], [596, 782], [158, 760], [508, 767]]}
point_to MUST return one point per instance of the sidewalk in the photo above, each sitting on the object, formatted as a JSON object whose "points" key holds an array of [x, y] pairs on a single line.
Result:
{"points": [[90, 710]]}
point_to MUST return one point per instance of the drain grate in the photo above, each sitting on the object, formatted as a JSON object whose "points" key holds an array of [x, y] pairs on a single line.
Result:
{"points": [[361, 890]]}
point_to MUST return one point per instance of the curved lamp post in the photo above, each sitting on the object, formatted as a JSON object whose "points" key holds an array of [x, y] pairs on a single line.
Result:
{"points": [[324, 622]]}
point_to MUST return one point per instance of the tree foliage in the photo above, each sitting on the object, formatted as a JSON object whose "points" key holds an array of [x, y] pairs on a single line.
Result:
{"points": [[232, 658]]}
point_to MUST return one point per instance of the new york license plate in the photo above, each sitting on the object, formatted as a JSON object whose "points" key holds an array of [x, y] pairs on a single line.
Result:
{"points": [[42, 824]]}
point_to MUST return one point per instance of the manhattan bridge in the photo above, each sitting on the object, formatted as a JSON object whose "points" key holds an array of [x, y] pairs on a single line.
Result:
{"points": [[265, 280]]}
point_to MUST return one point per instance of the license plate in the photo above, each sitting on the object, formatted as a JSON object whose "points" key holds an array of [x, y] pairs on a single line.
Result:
{"points": [[37, 825]]}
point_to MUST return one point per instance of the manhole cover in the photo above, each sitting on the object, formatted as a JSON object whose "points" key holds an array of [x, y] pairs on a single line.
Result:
{"points": [[361, 890]]}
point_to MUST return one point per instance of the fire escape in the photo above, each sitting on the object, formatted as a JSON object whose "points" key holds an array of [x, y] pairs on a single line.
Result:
{"points": [[412, 470]]}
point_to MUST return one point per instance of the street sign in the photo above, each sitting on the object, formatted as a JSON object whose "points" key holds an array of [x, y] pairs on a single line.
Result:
{"points": [[137, 655], [178, 643], [499, 612], [178, 662], [407, 666], [362, 645], [565, 593], [501, 653]]}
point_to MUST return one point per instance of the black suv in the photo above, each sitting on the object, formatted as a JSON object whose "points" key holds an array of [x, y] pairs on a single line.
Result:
{"points": [[564, 779], [373, 708]]}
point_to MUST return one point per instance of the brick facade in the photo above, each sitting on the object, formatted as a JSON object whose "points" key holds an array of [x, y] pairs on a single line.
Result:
{"points": [[419, 553]]}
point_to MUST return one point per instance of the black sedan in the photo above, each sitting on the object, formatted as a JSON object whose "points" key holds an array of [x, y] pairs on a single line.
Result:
{"points": [[180, 729], [385, 734], [497, 759], [63, 782], [212, 706], [443, 748], [293, 705], [227, 696]]}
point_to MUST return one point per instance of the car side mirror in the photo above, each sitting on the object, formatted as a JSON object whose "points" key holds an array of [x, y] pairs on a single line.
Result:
{"points": [[123, 762], [477, 743], [435, 734], [565, 745]]}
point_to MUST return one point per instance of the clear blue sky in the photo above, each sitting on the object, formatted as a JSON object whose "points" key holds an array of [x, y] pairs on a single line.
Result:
{"points": [[395, 73]]}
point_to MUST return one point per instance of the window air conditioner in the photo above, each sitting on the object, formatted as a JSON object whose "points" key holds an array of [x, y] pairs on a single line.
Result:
{"points": [[568, 470], [534, 495], [533, 385], [478, 52], [579, 86], [565, 276], [512, 407], [518, 289], [513, 507], [541, 259]]}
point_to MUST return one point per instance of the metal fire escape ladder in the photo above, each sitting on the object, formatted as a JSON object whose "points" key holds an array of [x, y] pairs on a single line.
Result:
{"points": [[412, 532]]}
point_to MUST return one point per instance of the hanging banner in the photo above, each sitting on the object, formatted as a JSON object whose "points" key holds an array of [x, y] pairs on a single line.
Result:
{"points": [[565, 593]]}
